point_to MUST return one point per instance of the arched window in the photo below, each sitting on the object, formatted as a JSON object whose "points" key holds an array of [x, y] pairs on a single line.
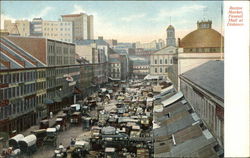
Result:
{"points": [[155, 61], [155, 70], [160, 61], [166, 61]]}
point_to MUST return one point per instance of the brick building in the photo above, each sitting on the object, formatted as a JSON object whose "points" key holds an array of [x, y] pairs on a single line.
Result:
{"points": [[33, 80]]}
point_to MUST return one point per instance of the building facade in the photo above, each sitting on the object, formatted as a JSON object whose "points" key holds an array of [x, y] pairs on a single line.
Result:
{"points": [[19, 27], [171, 40], [28, 95], [57, 30], [83, 28], [96, 53], [196, 48], [161, 60], [140, 68], [154, 45], [206, 99], [115, 69], [49, 52], [32, 82]]}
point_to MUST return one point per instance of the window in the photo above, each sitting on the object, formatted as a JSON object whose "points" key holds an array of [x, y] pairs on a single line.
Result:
{"points": [[1, 78], [161, 61], [166, 61], [160, 69], [166, 70], [155, 70], [155, 61], [171, 61]]}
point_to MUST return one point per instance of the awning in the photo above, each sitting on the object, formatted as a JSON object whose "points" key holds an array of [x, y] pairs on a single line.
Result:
{"points": [[166, 90], [150, 77], [172, 99], [114, 79], [158, 108], [48, 101]]}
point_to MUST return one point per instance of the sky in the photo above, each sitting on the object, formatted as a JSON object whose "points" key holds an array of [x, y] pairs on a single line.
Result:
{"points": [[126, 21]]}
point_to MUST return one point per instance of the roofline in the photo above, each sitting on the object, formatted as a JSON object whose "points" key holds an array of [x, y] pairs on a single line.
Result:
{"points": [[47, 67], [162, 48], [39, 37], [214, 95]]}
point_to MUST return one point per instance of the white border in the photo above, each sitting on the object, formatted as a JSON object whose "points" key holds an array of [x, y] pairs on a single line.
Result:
{"points": [[237, 84]]}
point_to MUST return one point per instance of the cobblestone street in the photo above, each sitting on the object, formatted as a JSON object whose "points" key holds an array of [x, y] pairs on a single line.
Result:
{"points": [[64, 138]]}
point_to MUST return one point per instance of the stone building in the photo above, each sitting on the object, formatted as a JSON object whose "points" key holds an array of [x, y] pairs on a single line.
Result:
{"points": [[19, 27], [115, 69], [161, 60], [57, 30], [203, 88], [83, 26], [197, 47]]}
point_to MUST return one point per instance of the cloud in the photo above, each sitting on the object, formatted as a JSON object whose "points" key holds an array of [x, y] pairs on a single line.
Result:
{"points": [[133, 17], [6, 17], [78, 9], [40, 14], [163, 14], [44, 12], [103, 27]]}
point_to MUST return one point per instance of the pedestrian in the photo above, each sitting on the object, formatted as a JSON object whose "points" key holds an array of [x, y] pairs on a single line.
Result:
{"points": [[65, 126], [72, 141], [51, 115]]}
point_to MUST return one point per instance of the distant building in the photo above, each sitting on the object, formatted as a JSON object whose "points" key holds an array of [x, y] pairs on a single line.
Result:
{"points": [[99, 43], [115, 69], [112, 43], [19, 27], [145, 53], [57, 30], [91, 53], [162, 60], [83, 28], [203, 87], [140, 68], [119, 65], [96, 52], [154, 45], [199, 46], [160, 44]]}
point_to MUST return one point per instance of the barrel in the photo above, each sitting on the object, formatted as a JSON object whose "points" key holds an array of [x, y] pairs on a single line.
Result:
{"points": [[27, 142], [13, 142]]}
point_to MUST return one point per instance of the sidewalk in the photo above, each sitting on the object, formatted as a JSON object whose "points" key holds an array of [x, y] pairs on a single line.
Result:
{"points": [[36, 127]]}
